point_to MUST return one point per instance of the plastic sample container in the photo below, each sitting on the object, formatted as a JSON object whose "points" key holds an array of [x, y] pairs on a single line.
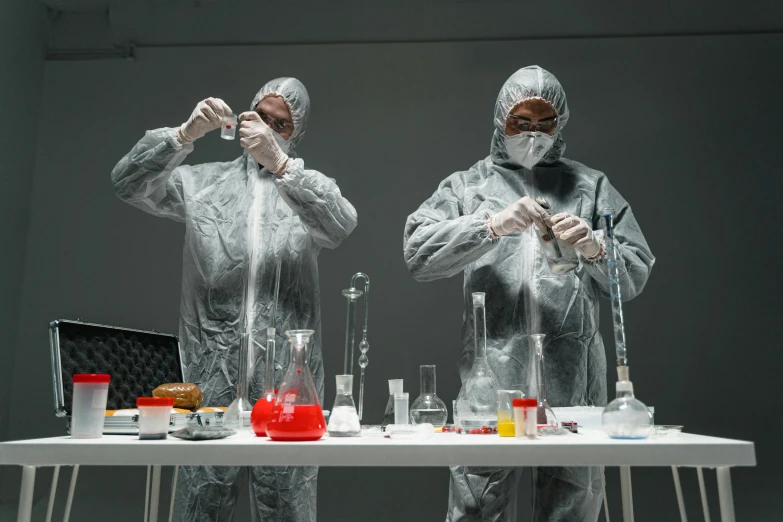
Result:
{"points": [[154, 417], [88, 410]]}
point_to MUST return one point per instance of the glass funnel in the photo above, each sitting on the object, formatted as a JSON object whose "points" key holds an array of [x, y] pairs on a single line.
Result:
{"points": [[262, 409], [627, 417], [297, 414], [238, 412], [395, 387], [428, 408], [545, 415], [476, 404], [343, 419]]}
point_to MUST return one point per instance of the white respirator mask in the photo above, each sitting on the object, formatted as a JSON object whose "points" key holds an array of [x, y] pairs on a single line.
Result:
{"points": [[528, 148], [284, 144]]}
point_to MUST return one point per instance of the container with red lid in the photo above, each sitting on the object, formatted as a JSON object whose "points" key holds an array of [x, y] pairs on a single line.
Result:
{"points": [[88, 409], [525, 417], [154, 417]]}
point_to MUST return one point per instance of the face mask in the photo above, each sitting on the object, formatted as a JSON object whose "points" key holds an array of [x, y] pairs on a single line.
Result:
{"points": [[528, 148], [284, 144]]}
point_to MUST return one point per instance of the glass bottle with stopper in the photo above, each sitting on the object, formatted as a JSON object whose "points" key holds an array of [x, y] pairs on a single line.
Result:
{"points": [[476, 404], [343, 420]]}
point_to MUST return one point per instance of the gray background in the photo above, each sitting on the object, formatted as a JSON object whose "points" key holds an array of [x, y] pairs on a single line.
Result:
{"points": [[686, 127]]}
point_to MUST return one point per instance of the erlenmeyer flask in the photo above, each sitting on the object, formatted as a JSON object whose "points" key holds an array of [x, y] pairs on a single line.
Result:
{"points": [[428, 408], [262, 409], [545, 416], [395, 388], [476, 404], [343, 420], [238, 412], [297, 414]]}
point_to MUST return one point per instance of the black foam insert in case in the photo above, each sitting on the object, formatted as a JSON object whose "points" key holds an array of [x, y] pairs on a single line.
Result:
{"points": [[138, 361]]}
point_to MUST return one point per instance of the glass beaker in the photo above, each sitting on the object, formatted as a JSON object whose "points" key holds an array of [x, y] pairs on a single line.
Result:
{"points": [[343, 419], [545, 415], [262, 409], [627, 417], [476, 404], [237, 414], [506, 411], [428, 408], [228, 129], [395, 387], [297, 414]]}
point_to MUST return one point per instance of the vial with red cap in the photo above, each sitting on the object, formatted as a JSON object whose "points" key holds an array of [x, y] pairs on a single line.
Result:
{"points": [[525, 418], [88, 409], [154, 417]]}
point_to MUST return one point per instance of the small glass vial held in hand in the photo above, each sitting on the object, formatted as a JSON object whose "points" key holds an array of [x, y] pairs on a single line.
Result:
{"points": [[525, 418], [228, 130]]}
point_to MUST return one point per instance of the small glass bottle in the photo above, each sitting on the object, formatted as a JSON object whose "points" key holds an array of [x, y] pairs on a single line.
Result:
{"points": [[477, 405], [237, 414], [297, 414], [627, 417], [395, 387], [344, 420], [428, 408], [560, 256], [546, 416]]}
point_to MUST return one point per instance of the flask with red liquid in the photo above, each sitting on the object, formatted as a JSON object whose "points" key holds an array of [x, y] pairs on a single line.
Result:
{"points": [[259, 417], [296, 414]]}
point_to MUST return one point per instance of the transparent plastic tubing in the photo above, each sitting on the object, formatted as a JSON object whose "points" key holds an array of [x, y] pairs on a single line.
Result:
{"points": [[615, 295]]}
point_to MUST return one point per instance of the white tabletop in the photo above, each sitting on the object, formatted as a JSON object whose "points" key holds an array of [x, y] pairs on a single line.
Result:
{"points": [[444, 449]]}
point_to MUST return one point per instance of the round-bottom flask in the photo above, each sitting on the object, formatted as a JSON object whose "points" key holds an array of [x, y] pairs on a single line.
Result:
{"points": [[626, 417]]}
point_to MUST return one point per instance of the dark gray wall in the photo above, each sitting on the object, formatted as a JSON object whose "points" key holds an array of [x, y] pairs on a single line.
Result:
{"points": [[685, 127], [22, 43]]}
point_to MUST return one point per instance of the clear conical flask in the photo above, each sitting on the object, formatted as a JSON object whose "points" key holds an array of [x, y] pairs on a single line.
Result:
{"points": [[395, 387], [237, 414], [627, 417], [428, 408], [297, 414], [545, 415], [344, 420], [476, 404], [262, 409]]}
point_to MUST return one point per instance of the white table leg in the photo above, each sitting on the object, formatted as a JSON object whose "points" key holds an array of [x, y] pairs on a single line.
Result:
{"points": [[678, 489], [71, 489], [173, 492], [726, 498], [155, 495], [26, 494], [627, 492], [704, 505], [603, 489], [52, 493], [147, 495]]}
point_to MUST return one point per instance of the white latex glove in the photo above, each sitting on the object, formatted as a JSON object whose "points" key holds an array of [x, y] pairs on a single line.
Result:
{"points": [[518, 216], [205, 117], [260, 142], [577, 233]]}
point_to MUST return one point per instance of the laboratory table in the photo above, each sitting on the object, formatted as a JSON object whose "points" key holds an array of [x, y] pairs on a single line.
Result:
{"points": [[444, 449]]}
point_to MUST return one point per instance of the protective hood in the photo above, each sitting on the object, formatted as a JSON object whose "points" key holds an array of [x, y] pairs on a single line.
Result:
{"points": [[525, 84], [295, 95]]}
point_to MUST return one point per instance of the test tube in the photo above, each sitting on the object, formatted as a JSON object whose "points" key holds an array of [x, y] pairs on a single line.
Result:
{"points": [[401, 408], [229, 127]]}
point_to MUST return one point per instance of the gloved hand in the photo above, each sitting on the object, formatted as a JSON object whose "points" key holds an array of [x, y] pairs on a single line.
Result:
{"points": [[518, 216], [205, 117], [577, 233], [260, 142]]}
